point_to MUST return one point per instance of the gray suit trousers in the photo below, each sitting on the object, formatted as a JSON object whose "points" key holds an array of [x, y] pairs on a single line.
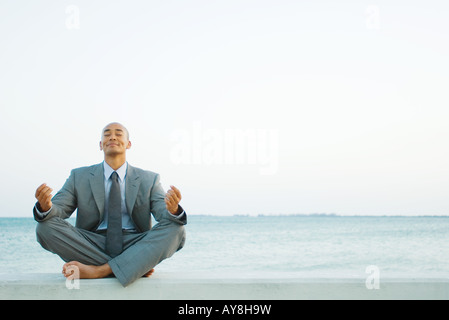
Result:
{"points": [[141, 251]]}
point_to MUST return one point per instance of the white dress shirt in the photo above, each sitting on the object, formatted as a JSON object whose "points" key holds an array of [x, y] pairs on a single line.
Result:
{"points": [[127, 223]]}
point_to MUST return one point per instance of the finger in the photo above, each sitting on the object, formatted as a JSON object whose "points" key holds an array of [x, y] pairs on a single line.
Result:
{"points": [[42, 189], [39, 189], [172, 197], [71, 270], [41, 193], [45, 201], [169, 201], [172, 201], [46, 194], [168, 194], [177, 192], [64, 268], [170, 205]]}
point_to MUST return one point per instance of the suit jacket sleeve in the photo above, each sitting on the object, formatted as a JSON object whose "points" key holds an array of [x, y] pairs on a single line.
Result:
{"points": [[64, 203], [157, 204]]}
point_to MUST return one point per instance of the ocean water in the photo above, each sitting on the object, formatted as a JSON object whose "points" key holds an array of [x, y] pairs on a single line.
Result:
{"points": [[272, 246]]}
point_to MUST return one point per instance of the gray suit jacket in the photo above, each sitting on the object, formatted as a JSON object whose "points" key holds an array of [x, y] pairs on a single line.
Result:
{"points": [[84, 190]]}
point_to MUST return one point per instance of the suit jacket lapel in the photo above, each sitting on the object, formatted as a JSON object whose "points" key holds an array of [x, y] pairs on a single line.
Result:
{"points": [[132, 188], [96, 180]]}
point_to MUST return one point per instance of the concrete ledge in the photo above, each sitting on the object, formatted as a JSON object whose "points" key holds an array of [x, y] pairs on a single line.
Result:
{"points": [[198, 287]]}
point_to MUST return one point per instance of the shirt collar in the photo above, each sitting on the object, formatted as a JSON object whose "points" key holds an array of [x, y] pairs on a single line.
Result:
{"points": [[120, 171]]}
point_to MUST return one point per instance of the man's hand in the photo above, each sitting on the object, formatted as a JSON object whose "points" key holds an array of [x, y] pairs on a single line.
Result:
{"points": [[172, 198], [43, 196]]}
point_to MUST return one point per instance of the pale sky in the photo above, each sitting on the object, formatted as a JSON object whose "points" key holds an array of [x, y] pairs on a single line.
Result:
{"points": [[248, 107]]}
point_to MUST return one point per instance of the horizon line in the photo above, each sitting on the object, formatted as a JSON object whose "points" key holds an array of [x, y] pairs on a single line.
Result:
{"points": [[287, 215]]}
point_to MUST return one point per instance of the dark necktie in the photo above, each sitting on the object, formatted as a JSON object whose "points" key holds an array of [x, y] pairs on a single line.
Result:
{"points": [[114, 235]]}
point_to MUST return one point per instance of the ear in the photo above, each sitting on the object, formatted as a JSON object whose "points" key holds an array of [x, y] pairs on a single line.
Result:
{"points": [[101, 146], [129, 145]]}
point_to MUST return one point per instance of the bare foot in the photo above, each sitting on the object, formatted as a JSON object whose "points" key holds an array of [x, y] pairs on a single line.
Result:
{"points": [[148, 274], [75, 268]]}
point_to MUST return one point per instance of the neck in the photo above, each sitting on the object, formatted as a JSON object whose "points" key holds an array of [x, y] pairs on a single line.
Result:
{"points": [[115, 162]]}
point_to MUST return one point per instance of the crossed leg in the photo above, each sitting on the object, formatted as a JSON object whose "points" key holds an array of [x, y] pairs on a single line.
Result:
{"points": [[85, 250]]}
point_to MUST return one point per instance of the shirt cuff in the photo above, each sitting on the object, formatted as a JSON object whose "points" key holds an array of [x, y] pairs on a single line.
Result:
{"points": [[41, 215], [179, 216]]}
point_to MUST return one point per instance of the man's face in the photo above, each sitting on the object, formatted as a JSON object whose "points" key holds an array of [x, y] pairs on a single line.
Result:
{"points": [[114, 139]]}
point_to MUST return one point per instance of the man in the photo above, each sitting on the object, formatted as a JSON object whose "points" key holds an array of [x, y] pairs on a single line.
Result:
{"points": [[114, 200]]}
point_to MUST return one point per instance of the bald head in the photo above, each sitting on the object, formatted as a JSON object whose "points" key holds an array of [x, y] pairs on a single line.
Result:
{"points": [[115, 126]]}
